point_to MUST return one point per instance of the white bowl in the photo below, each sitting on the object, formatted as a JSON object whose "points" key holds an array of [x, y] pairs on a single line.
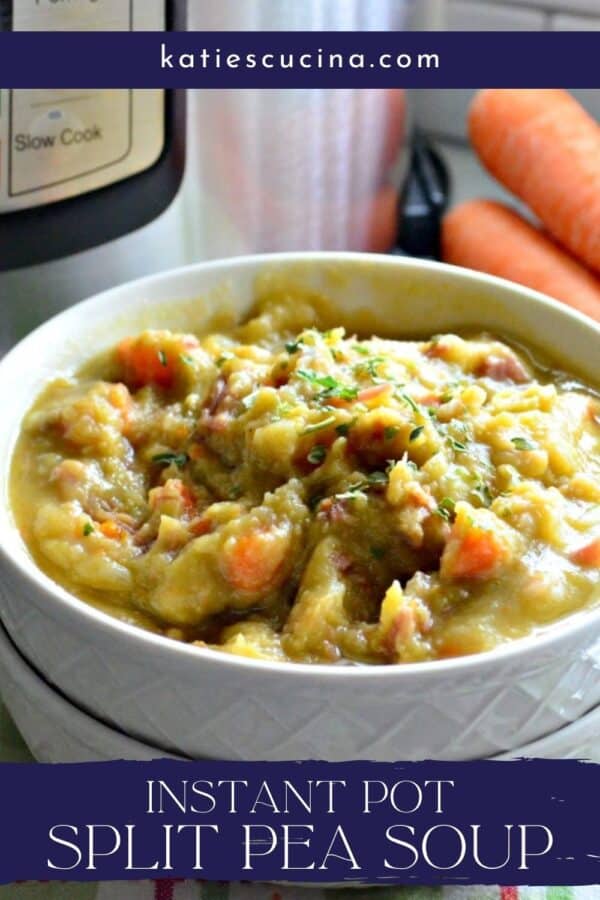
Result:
{"points": [[57, 731], [204, 703]]}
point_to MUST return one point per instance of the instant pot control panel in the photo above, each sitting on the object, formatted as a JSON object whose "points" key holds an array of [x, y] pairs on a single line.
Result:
{"points": [[60, 145], [56, 144]]}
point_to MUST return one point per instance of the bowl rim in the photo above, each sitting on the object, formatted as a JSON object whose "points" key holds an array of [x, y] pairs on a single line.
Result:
{"points": [[68, 606]]}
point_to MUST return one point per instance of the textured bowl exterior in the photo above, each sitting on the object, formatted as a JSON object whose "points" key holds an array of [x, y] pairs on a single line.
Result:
{"points": [[204, 704], [579, 740], [56, 731]]}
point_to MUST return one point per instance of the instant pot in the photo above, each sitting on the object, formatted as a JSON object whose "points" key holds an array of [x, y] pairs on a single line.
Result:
{"points": [[101, 186]]}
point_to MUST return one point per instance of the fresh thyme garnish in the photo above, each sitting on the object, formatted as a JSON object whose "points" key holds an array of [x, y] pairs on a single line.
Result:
{"points": [[484, 493], [370, 366], [317, 454], [446, 508], [331, 387], [319, 426], [377, 478], [168, 458], [353, 491], [522, 443], [416, 433], [373, 479], [88, 529], [406, 398]]}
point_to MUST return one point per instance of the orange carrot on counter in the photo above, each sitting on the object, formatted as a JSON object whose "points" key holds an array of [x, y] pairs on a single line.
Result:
{"points": [[489, 237], [545, 148]]}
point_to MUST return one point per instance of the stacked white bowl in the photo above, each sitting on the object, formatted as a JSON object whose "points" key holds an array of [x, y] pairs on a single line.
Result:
{"points": [[56, 730], [167, 697]]}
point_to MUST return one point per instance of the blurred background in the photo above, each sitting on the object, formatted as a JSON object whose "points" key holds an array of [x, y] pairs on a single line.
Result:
{"points": [[443, 113], [269, 170]]}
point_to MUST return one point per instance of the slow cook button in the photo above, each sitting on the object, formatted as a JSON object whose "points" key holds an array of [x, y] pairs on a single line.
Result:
{"points": [[44, 138], [56, 144], [42, 154], [71, 137]]}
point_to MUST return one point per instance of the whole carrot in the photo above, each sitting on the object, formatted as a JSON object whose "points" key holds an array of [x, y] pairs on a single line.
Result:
{"points": [[544, 147], [489, 237]]}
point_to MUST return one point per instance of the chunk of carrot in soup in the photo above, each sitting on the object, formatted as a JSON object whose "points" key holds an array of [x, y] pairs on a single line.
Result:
{"points": [[375, 394], [588, 555], [201, 526], [173, 497], [112, 530], [187, 496], [152, 358], [252, 562], [475, 553]]}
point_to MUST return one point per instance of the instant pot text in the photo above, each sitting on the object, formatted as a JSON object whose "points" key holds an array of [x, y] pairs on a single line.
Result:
{"points": [[483, 822], [268, 821]]}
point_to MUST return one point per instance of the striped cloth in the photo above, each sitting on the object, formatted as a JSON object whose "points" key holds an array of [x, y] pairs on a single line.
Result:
{"points": [[189, 890], [12, 749]]}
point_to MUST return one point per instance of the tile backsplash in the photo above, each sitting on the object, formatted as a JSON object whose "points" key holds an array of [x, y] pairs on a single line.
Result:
{"points": [[444, 112], [482, 15], [521, 14], [591, 7]]}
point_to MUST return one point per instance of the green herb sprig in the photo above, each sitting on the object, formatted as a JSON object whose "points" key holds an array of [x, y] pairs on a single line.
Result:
{"points": [[445, 509], [320, 426], [330, 386], [168, 458], [317, 454], [522, 443]]}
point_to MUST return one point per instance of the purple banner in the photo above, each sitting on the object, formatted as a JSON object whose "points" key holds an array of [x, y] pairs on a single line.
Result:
{"points": [[525, 822], [346, 59]]}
